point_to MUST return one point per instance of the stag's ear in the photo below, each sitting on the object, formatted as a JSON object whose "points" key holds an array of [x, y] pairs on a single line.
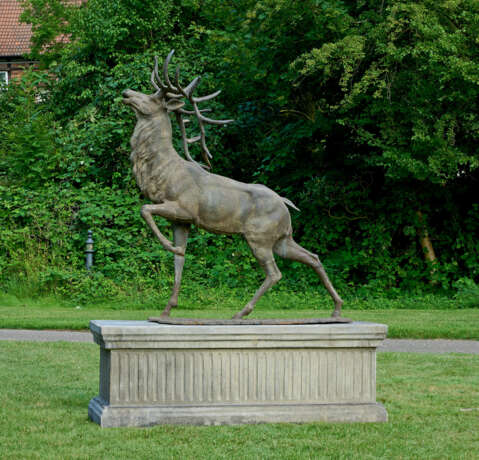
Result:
{"points": [[174, 104]]}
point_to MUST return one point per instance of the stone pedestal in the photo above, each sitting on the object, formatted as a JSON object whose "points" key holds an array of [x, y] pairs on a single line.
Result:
{"points": [[210, 375]]}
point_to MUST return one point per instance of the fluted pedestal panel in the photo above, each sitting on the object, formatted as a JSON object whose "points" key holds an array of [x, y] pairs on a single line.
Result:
{"points": [[152, 374]]}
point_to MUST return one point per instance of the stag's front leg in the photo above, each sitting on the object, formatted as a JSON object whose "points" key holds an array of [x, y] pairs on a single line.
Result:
{"points": [[273, 275], [180, 235], [169, 211]]}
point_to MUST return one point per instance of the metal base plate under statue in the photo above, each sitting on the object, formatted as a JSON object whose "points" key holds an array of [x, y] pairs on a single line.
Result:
{"points": [[234, 374]]}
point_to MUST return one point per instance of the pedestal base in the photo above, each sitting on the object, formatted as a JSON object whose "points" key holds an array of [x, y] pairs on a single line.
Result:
{"points": [[232, 414], [213, 375]]}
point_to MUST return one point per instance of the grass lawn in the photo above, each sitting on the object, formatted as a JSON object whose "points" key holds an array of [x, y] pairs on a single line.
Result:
{"points": [[421, 316], [432, 401], [454, 324]]}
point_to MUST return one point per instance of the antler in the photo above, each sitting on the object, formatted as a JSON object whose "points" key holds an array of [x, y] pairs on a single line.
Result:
{"points": [[177, 92]]}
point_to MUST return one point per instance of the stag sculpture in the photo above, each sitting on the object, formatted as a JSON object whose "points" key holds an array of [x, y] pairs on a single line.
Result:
{"points": [[185, 192]]}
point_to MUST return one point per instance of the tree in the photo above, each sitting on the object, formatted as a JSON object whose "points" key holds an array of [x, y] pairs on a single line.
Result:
{"points": [[363, 113], [383, 93], [409, 84]]}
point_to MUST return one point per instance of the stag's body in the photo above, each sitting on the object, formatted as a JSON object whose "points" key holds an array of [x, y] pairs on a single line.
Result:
{"points": [[185, 193], [212, 202]]}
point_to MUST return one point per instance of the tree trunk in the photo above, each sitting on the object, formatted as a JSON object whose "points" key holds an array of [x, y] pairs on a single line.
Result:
{"points": [[426, 244]]}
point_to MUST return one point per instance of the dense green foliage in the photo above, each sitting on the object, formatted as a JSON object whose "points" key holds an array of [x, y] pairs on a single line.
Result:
{"points": [[362, 113]]}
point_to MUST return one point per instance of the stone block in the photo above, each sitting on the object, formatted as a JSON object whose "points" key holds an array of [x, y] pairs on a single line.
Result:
{"points": [[207, 375]]}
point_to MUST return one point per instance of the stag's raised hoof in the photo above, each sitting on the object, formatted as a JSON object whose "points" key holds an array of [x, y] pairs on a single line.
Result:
{"points": [[177, 250]]}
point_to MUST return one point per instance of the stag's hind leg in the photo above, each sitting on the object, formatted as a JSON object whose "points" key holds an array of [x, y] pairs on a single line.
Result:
{"points": [[289, 249], [180, 237], [265, 258]]}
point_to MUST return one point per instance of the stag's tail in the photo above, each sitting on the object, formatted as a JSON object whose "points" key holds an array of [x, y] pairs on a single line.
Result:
{"points": [[289, 203]]}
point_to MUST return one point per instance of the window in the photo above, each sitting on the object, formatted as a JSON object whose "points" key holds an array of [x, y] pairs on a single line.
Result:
{"points": [[3, 77]]}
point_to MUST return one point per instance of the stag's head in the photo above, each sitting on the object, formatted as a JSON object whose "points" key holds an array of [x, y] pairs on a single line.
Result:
{"points": [[171, 97], [149, 105]]}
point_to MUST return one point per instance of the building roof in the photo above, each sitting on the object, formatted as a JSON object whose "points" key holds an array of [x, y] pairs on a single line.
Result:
{"points": [[14, 35]]}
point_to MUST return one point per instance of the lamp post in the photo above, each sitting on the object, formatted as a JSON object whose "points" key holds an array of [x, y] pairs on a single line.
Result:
{"points": [[89, 251]]}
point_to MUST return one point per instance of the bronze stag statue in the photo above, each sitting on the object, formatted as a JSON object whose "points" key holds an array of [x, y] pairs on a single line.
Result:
{"points": [[185, 193]]}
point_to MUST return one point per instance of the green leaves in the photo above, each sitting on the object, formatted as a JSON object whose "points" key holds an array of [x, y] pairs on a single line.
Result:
{"points": [[409, 86], [361, 113]]}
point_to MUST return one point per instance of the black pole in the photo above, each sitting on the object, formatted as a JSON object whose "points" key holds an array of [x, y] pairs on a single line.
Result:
{"points": [[89, 251]]}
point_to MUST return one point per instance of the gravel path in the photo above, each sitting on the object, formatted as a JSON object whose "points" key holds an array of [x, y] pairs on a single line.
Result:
{"points": [[401, 345], [45, 336], [430, 346]]}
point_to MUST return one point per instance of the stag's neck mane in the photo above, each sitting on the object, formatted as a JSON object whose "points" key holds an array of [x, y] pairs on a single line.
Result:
{"points": [[152, 140]]}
